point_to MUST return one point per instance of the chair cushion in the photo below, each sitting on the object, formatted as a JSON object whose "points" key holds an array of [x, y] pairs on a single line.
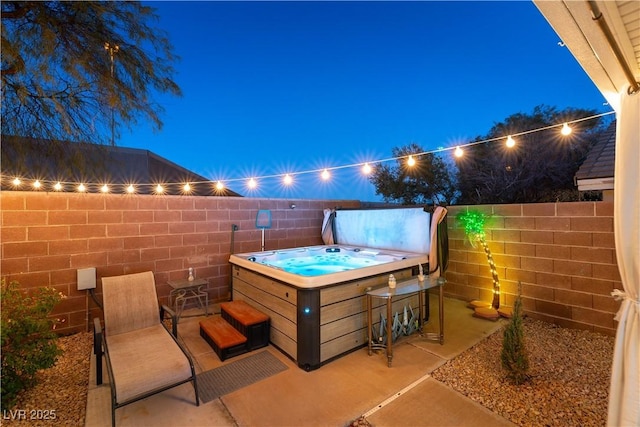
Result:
{"points": [[144, 360]]}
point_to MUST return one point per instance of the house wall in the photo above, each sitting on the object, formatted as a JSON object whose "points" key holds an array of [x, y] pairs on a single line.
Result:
{"points": [[46, 237], [562, 253]]}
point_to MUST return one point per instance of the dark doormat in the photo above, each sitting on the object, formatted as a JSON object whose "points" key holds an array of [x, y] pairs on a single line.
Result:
{"points": [[236, 375]]}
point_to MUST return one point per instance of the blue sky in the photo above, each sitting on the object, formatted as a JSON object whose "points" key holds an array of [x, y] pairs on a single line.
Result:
{"points": [[283, 87]]}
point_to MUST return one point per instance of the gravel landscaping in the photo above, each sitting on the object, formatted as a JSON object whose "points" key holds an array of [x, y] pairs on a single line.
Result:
{"points": [[570, 373], [60, 397], [569, 385]]}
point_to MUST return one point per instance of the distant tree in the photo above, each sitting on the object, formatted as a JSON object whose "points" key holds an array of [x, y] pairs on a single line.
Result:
{"points": [[67, 66], [539, 168], [428, 181]]}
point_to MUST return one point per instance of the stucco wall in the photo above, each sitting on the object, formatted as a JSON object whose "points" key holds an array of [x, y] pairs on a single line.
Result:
{"points": [[564, 254]]}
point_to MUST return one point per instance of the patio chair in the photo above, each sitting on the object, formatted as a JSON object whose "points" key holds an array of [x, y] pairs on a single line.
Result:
{"points": [[143, 357]]}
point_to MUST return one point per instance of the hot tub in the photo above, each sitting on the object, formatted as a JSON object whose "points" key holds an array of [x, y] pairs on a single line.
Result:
{"points": [[315, 295]]}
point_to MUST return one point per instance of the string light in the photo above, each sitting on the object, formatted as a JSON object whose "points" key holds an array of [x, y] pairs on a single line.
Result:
{"points": [[510, 142], [325, 174]]}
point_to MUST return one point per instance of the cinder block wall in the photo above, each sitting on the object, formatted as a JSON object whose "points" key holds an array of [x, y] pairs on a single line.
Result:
{"points": [[562, 253], [46, 237]]}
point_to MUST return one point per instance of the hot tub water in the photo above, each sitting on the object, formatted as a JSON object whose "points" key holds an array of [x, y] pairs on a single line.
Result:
{"points": [[319, 261]]}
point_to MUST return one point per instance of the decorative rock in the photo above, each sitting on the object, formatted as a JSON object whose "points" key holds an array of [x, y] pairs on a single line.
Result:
{"points": [[475, 304], [506, 312], [558, 357], [486, 313], [62, 388]]}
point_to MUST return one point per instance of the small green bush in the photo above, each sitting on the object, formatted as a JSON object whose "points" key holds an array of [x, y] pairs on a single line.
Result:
{"points": [[514, 354], [28, 340]]}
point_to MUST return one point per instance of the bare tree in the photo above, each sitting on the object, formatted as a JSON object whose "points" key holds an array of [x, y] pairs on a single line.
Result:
{"points": [[81, 70]]}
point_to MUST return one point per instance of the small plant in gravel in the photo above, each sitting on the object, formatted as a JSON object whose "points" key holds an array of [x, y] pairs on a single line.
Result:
{"points": [[514, 354], [27, 337]]}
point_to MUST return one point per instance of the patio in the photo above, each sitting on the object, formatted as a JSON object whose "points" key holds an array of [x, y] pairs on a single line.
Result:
{"points": [[335, 394]]}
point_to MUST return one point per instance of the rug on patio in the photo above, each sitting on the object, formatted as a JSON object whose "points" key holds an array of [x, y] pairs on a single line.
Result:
{"points": [[236, 375]]}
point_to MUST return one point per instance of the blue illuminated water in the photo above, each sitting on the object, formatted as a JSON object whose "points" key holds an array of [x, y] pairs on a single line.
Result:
{"points": [[324, 264]]}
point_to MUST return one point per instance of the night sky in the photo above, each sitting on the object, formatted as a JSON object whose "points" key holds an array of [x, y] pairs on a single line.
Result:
{"points": [[286, 87]]}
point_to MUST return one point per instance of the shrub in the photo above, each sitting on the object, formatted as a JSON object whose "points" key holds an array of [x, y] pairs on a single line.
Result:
{"points": [[514, 354], [27, 336]]}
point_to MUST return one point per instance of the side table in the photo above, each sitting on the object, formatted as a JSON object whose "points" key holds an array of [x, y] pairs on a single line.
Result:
{"points": [[405, 288], [184, 290]]}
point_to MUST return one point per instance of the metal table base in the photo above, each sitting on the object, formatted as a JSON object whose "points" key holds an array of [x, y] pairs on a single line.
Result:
{"points": [[185, 290], [405, 288]]}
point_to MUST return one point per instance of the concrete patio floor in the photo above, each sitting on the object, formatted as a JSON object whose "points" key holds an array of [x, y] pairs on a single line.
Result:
{"points": [[334, 395]]}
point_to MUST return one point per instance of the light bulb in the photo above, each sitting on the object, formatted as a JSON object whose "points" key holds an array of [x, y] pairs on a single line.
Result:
{"points": [[58, 186], [187, 188], [325, 175], [252, 183], [510, 142], [366, 169], [458, 152], [219, 186], [16, 182], [287, 179], [411, 161], [36, 184], [159, 189], [81, 188], [566, 129], [131, 189], [104, 188]]}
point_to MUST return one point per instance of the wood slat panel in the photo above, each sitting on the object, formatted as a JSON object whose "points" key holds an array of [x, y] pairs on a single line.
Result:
{"points": [[283, 315], [284, 343], [283, 307], [268, 285], [342, 327], [358, 287], [336, 347], [339, 310]]}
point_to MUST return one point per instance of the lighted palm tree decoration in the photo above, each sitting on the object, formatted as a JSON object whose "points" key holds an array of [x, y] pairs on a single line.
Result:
{"points": [[473, 222]]}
